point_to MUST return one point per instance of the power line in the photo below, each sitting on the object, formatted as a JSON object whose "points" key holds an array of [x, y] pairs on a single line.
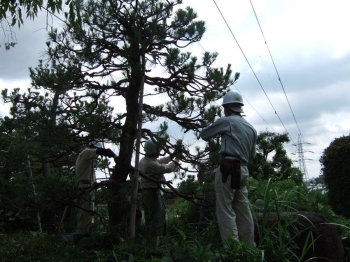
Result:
{"points": [[245, 99], [302, 165], [273, 84], [273, 62], [252, 70]]}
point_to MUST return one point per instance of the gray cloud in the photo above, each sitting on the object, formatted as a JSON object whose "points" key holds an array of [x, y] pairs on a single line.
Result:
{"points": [[31, 37], [315, 81], [317, 86]]}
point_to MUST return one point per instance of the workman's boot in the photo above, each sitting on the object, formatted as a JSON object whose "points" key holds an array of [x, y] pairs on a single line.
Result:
{"points": [[74, 238], [68, 238], [78, 237]]}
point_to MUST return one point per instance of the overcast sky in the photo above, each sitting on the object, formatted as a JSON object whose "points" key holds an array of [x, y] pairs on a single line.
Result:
{"points": [[309, 44]]}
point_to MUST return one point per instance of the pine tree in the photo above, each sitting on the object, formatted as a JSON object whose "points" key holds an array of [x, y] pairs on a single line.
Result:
{"points": [[271, 160], [120, 45]]}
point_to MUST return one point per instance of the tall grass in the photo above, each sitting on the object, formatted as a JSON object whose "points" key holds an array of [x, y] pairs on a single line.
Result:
{"points": [[275, 237], [184, 242]]}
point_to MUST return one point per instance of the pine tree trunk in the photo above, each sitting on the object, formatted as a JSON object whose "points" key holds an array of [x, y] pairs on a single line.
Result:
{"points": [[116, 206]]}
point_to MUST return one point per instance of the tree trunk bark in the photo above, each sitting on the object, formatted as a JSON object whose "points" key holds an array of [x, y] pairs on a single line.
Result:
{"points": [[117, 203], [128, 136]]}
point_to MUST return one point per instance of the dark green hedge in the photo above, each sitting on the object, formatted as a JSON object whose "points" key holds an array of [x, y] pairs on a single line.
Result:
{"points": [[336, 170]]}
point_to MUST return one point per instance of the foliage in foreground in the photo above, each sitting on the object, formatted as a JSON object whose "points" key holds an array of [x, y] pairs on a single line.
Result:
{"points": [[184, 240], [12, 13]]}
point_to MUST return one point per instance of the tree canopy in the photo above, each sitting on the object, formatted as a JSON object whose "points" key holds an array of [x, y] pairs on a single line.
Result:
{"points": [[89, 71], [271, 160], [13, 12]]}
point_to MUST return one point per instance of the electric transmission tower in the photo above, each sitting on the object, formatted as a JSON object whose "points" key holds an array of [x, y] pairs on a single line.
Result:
{"points": [[301, 158]]}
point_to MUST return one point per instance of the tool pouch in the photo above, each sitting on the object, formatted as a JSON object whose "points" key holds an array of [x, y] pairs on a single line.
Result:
{"points": [[231, 167]]}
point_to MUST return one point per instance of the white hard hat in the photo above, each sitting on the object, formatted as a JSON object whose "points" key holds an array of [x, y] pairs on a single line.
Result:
{"points": [[150, 147], [232, 98]]}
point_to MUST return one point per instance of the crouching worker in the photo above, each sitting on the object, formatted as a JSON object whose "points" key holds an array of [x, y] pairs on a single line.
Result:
{"points": [[152, 199], [86, 179]]}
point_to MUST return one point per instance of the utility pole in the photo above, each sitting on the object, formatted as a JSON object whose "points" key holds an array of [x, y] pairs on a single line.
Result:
{"points": [[301, 158]]}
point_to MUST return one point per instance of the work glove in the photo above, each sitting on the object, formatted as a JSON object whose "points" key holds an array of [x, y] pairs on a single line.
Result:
{"points": [[105, 152]]}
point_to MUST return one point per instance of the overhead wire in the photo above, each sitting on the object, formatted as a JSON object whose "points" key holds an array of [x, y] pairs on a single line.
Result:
{"points": [[223, 17], [300, 136], [245, 99], [273, 62], [273, 84]]}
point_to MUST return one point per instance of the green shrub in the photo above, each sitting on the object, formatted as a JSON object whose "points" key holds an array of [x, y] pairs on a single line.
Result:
{"points": [[183, 241], [336, 172], [183, 214]]}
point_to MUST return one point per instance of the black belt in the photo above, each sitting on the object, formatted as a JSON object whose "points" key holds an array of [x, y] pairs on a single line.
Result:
{"points": [[243, 163], [225, 155]]}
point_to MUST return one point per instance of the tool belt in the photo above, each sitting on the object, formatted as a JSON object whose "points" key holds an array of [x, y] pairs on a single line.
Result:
{"points": [[231, 167]]}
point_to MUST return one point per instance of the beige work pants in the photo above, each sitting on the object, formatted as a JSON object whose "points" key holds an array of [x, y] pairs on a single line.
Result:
{"points": [[85, 219], [232, 210]]}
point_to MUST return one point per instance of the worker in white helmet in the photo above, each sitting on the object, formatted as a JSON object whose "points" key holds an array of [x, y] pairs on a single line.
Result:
{"points": [[86, 179], [238, 139], [152, 199]]}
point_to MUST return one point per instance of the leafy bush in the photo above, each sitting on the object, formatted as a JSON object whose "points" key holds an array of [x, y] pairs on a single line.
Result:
{"points": [[183, 241], [336, 172], [15, 213], [183, 214]]}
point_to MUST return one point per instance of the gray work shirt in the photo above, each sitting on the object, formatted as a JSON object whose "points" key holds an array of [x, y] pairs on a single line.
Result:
{"points": [[155, 169], [238, 137]]}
